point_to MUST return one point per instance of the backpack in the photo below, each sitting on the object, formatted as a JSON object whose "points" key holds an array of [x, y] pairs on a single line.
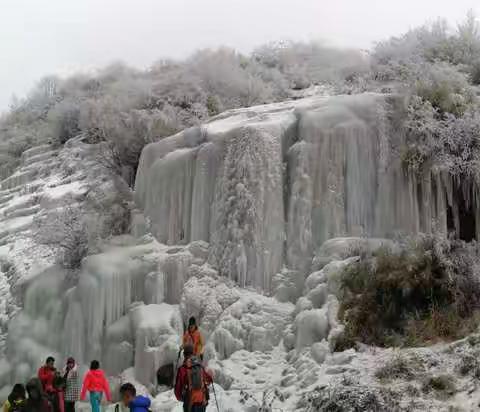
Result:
{"points": [[197, 387]]}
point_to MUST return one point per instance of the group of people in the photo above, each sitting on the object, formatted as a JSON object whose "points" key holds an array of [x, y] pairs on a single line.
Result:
{"points": [[59, 390]]}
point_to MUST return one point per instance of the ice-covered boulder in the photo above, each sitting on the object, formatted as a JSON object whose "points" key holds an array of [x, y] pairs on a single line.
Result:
{"points": [[254, 322], [287, 285], [317, 311], [345, 247], [157, 334], [233, 318], [205, 297]]}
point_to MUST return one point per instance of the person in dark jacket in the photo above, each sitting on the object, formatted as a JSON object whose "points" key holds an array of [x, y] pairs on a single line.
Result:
{"points": [[129, 397], [193, 400], [37, 401]]}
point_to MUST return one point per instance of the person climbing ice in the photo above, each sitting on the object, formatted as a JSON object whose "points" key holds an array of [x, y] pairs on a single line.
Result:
{"points": [[191, 384], [194, 338], [96, 384]]}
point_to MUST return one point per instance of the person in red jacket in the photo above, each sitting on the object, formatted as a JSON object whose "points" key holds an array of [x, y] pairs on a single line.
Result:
{"points": [[46, 374], [96, 384], [194, 398]]}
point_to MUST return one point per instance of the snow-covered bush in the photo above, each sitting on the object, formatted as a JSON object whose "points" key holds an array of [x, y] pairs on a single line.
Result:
{"points": [[349, 396], [400, 367], [65, 231], [429, 291], [63, 118]]}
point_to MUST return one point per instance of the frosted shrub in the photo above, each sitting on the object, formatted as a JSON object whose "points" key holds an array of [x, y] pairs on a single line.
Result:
{"points": [[400, 367], [419, 295], [446, 88], [63, 119], [65, 231]]}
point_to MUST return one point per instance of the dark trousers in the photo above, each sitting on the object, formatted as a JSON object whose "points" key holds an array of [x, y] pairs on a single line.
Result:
{"points": [[53, 398], [195, 408], [69, 406]]}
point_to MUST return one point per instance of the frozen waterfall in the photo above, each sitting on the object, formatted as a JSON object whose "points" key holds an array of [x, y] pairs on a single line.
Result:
{"points": [[252, 195], [267, 186]]}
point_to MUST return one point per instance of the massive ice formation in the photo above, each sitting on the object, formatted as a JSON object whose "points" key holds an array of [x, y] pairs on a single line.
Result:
{"points": [[268, 185], [243, 211], [117, 313]]}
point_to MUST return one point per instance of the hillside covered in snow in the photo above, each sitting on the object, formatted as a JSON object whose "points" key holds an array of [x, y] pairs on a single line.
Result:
{"points": [[316, 210]]}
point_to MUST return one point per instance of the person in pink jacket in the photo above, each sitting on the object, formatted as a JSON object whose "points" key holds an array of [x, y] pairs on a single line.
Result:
{"points": [[96, 384]]}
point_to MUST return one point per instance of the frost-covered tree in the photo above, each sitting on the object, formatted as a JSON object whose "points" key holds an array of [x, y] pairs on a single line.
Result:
{"points": [[65, 231]]}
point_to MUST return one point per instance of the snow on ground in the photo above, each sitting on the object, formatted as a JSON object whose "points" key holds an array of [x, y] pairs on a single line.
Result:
{"points": [[44, 178]]}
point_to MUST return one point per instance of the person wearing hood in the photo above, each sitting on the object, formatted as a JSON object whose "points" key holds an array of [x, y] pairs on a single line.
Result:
{"points": [[96, 384], [72, 385], [37, 401], [129, 397], [194, 338], [16, 400], [46, 374]]}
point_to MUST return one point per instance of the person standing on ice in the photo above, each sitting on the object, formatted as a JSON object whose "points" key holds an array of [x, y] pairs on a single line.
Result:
{"points": [[96, 384], [191, 384], [135, 403], [47, 374], [72, 385], [37, 401], [194, 338]]}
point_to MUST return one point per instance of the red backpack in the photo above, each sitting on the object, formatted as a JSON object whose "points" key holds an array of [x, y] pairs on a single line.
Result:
{"points": [[197, 389]]}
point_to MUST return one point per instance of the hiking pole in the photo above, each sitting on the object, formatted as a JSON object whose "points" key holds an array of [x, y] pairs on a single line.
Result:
{"points": [[175, 368], [215, 396]]}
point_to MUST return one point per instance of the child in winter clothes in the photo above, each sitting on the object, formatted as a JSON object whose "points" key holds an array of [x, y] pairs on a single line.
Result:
{"points": [[95, 383], [129, 397], [16, 399], [72, 385]]}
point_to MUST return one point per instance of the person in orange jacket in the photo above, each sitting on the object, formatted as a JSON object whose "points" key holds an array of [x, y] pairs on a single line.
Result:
{"points": [[194, 338], [96, 383]]}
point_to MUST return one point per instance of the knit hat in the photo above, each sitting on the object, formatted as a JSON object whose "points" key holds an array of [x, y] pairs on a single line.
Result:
{"points": [[192, 322]]}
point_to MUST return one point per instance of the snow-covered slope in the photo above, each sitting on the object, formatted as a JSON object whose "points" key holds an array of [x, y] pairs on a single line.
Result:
{"points": [[46, 178], [245, 223]]}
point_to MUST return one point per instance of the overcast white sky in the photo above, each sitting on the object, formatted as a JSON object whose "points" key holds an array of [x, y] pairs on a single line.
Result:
{"points": [[39, 37]]}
